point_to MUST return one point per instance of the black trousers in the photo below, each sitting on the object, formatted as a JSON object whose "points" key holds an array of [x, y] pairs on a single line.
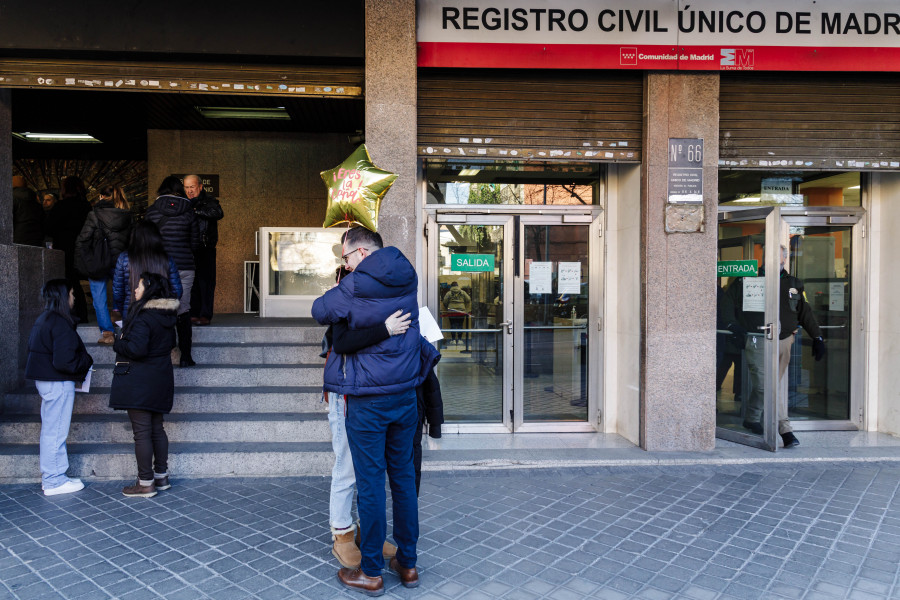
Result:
{"points": [[204, 291], [151, 444]]}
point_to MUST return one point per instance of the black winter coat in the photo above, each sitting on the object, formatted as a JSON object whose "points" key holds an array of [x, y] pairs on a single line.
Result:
{"points": [[28, 218], [64, 223], [145, 344], [117, 225], [208, 211], [55, 351], [178, 227]]}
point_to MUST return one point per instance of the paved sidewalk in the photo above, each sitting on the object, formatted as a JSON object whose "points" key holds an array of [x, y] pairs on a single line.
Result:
{"points": [[823, 530]]}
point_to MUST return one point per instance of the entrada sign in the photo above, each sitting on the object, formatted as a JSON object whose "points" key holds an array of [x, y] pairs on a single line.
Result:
{"points": [[471, 262], [698, 35], [736, 268]]}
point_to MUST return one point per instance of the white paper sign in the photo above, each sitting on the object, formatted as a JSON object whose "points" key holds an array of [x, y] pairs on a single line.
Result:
{"points": [[428, 327], [754, 294], [836, 295], [541, 278], [85, 387], [569, 279]]}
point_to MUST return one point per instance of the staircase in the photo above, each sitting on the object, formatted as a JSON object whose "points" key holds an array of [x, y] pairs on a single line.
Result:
{"points": [[250, 408]]}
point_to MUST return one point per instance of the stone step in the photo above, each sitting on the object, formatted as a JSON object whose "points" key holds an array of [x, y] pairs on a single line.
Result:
{"points": [[19, 462], [114, 427], [292, 334], [263, 399], [226, 353], [233, 375]]}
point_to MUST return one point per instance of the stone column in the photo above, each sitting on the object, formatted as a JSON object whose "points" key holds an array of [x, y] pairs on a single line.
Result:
{"points": [[678, 265], [6, 230], [391, 115]]}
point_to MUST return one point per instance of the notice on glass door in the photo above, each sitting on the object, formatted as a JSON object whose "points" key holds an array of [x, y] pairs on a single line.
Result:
{"points": [[569, 278], [540, 278], [836, 295], [754, 294]]}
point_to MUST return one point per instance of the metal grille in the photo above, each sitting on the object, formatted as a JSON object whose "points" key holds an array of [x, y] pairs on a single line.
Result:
{"points": [[569, 116], [835, 121]]}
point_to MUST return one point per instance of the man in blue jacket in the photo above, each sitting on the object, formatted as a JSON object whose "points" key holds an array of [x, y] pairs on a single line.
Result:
{"points": [[381, 417]]}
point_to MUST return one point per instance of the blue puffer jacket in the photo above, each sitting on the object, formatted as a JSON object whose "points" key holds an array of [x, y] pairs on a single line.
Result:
{"points": [[382, 283], [122, 276]]}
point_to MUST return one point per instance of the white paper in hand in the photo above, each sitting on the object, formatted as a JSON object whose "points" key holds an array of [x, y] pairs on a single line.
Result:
{"points": [[85, 387], [428, 327]]}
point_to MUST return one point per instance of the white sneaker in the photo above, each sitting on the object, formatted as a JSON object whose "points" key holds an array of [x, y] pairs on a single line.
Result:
{"points": [[73, 485]]}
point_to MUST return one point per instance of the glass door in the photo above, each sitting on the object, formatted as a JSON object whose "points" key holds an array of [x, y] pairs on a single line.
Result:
{"points": [[557, 323], [518, 301], [470, 281], [824, 255], [747, 328]]}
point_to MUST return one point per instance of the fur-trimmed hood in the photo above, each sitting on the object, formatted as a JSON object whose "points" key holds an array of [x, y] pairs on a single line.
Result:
{"points": [[162, 304]]}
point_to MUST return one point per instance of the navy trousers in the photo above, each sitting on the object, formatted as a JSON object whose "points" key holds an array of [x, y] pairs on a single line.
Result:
{"points": [[380, 432]]}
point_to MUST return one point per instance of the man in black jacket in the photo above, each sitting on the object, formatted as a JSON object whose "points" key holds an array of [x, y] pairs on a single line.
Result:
{"points": [[208, 211]]}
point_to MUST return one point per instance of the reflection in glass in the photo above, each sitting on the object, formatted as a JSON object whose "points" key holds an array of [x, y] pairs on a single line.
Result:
{"points": [[820, 257], [740, 361], [471, 308], [303, 263], [511, 182], [788, 188], [555, 326]]}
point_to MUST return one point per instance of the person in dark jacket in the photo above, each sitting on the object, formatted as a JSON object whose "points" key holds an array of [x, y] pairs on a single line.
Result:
{"points": [[430, 405], [147, 253], [180, 232], [28, 216], [64, 223], [379, 382], [208, 212], [143, 382], [794, 311], [111, 219], [56, 360]]}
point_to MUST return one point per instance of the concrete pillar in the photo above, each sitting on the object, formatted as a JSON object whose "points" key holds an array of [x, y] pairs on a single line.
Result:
{"points": [[391, 115], [678, 265], [6, 231]]}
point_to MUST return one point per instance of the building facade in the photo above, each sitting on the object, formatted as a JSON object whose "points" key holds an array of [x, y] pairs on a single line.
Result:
{"points": [[573, 181]]}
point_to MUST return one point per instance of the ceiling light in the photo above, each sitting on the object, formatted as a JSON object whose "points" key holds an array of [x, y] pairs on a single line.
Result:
{"points": [[58, 138], [853, 187], [234, 112], [469, 172], [745, 200]]}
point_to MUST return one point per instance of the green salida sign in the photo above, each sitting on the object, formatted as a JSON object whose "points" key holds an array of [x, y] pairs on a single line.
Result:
{"points": [[736, 268], [471, 262]]}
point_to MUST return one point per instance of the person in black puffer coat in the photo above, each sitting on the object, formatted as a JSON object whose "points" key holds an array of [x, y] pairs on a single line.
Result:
{"points": [[143, 382], [208, 212], [63, 225], [57, 359], [111, 218], [173, 214]]}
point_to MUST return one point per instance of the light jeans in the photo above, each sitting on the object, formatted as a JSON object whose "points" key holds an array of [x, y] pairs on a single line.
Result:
{"points": [[343, 479], [98, 296], [57, 400], [187, 282]]}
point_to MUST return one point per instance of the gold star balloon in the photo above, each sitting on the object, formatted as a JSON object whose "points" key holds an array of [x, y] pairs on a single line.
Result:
{"points": [[355, 189]]}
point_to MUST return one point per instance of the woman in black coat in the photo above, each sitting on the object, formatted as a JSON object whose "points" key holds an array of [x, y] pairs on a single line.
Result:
{"points": [[64, 223], [143, 380], [56, 360]]}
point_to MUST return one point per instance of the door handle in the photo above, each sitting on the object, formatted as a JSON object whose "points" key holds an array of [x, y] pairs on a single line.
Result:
{"points": [[508, 325], [768, 329]]}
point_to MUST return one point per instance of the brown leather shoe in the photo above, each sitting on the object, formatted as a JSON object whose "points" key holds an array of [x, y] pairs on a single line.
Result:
{"points": [[408, 577], [107, 339], [358, 581]]}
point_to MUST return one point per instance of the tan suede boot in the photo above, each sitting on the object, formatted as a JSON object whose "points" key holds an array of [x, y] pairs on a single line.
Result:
{"points": [[388, 550], [344, 548]]}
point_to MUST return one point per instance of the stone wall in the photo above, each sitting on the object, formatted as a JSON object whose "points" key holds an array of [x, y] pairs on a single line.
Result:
{"points": [[266, 180]]}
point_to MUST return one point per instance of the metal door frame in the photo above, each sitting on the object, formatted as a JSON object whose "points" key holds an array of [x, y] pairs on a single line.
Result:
{"points": [[513, 219], [855, 218], [774, 225]]}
